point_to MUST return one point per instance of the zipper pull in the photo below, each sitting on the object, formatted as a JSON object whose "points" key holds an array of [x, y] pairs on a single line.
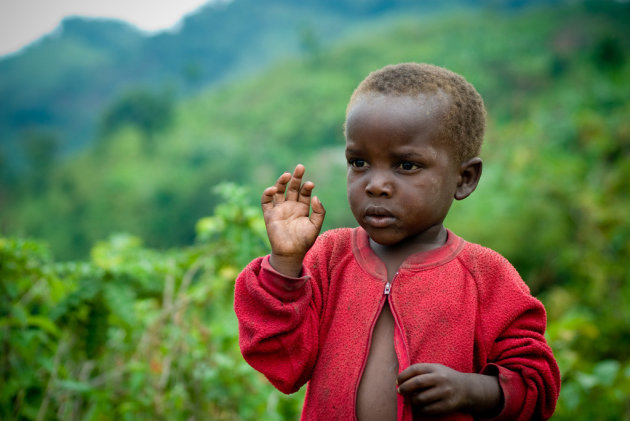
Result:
{"points": [[388, 285]]}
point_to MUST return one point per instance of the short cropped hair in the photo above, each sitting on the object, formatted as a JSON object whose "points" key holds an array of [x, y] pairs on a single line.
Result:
{"points": [[464, 123]]}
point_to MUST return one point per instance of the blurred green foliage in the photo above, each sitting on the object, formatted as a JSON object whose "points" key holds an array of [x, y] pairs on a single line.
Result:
{"points": [[149, 173], [148, 332], [148, 112], [134, 333], [62, 81]]}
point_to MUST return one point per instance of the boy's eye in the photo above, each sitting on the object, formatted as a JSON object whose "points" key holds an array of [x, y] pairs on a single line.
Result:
{"points": [[408, 166], [357, 163]]}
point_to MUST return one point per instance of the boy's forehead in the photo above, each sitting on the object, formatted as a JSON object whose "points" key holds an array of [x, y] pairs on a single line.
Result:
{"points": [[427, 109], [399, 116], [434, 103]]}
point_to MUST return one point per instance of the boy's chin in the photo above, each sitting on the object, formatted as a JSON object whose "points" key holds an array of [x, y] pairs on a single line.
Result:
{"points": [[383, 238], [392, 238]]}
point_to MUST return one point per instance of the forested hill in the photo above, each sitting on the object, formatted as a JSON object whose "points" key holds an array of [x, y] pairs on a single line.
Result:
{"points": [[554, 77], [61, 83], [58, 87]]}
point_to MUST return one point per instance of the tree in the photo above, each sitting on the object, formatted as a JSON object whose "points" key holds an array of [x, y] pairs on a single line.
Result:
{"points": [[148, 111]]}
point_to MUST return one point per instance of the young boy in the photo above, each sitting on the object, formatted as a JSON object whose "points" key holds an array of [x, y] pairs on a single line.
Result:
{"points": [[398, 318]]}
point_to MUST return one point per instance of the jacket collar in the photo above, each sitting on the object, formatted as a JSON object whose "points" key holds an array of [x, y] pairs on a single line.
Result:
{"points": [[371, 263]]}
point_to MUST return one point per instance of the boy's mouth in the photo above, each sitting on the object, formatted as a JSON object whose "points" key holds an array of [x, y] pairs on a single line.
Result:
{"points": [[378, 216]]}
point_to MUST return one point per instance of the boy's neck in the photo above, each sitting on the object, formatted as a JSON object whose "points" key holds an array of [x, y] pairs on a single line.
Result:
{"points": [[394, 255]]}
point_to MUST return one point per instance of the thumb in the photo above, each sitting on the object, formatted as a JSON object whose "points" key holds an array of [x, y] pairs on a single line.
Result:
{"points": [[318, 213]]}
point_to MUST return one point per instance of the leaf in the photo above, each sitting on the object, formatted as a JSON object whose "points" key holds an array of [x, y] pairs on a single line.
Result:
{"points": [[43, 323], [606, 372], [74, 386]]}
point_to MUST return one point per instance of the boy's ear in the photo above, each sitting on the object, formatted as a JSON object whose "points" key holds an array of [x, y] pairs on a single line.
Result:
{"points": [[469, 174]]}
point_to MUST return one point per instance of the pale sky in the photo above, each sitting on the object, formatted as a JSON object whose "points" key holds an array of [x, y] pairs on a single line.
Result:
{"points": [[24, 21]]}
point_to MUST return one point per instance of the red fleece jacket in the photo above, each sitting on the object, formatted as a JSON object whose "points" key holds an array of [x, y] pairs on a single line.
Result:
{"points": [[461, 305]]}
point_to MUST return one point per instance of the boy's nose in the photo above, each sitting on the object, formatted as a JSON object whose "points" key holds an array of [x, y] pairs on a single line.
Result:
{"points": [[379, 186]]}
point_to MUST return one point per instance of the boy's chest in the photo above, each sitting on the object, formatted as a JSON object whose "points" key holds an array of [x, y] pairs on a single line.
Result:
{"points": [[436, 315], [376, 394]]}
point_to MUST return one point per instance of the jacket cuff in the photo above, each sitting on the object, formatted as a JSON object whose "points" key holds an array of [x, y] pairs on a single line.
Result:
{"points": [[513, 389], [284, 288]]}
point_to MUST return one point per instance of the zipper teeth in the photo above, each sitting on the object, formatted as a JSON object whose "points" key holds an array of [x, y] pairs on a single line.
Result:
{"points": [[367, 354], [406, 358], [397, 328]]}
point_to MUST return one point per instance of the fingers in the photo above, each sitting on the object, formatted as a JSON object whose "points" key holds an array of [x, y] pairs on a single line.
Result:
{"points": [[281, 185], [417, 380], [266, 201], [433, 388], [275, 193], [426, 397], [415, 385], [288, 187], [295, 183], [434, 401], [413, 371], [423, 394]]}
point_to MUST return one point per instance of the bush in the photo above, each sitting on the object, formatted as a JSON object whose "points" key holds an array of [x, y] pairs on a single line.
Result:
{"points": [[134, 333]]}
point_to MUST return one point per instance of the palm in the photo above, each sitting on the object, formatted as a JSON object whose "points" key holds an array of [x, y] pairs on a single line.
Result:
{"points": [[291, 230]]}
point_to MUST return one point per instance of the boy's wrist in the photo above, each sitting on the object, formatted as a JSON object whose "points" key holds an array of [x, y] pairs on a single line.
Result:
{"points": [[287, 265], [484, 397]]}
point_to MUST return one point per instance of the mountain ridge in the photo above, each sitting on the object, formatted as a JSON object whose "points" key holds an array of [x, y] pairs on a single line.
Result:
{"points": [[61, 84]]}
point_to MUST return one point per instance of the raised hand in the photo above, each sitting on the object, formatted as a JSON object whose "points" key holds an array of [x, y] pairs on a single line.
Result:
{"points": [[291, 230], [434, 389]]}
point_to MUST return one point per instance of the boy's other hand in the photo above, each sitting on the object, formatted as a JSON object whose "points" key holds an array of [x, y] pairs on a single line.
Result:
{"points": [[291, 230], [434, 389]]}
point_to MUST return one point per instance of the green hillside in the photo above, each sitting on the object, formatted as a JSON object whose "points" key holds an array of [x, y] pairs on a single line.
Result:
{"points": [[156, 183], [60, 84]]}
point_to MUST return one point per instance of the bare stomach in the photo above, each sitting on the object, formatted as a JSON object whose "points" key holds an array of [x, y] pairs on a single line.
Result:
{"points": [[376, 397]]}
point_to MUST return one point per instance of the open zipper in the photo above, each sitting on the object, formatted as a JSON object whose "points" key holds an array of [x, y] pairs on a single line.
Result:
{"points": [[403, 357], [386, 294], [367, 354]]}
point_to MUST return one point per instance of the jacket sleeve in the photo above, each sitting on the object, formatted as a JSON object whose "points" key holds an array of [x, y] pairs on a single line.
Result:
{"points": [[278, 320], [512, 326]]}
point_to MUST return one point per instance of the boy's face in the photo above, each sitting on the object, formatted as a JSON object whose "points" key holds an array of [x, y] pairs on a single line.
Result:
{"points": [[402, 177]]}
